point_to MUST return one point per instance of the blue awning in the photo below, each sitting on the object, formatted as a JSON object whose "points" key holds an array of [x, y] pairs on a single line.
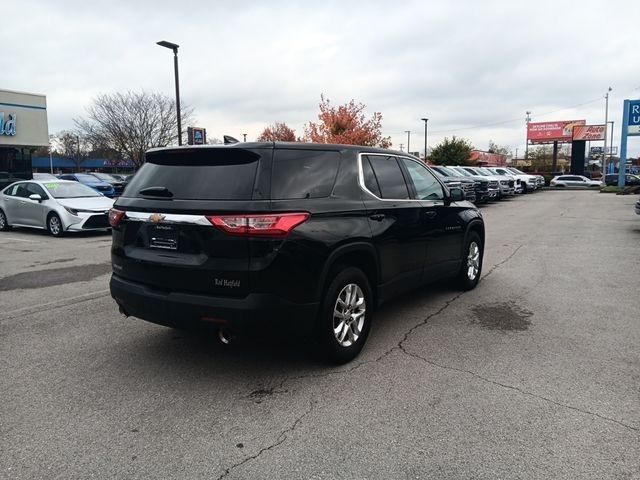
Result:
{"points": [[91, 163]]}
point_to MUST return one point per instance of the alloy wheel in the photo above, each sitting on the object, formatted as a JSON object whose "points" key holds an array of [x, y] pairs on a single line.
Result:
{"points": [[349, 315], [473, 261]]}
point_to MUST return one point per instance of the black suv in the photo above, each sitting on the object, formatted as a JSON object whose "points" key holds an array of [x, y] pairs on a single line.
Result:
{"points": [[306, 237]]}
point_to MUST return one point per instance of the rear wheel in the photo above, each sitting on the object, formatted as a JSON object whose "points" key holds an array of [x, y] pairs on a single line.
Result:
{"points": [[4, 224], [345, 316], [54, 225], [471, 267]]}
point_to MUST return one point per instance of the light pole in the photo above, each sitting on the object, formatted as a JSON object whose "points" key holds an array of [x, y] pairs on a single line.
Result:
{"points": [[174, 47], [526, 147], [606, 125], [408, 132], [516, 154], [245, 137], [425, 120]]}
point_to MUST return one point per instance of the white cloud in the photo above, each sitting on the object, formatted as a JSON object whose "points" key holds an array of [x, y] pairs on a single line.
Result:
{"points": [[245, 65]]}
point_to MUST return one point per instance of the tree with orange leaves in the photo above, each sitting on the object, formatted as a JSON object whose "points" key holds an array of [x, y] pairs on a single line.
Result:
{"points": [[278, 132], [346, 124]]}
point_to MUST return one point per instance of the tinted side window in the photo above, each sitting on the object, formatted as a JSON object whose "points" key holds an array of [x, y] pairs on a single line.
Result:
{"points": [[390, 178], [427, 187], [370, 180], [303, 173]]}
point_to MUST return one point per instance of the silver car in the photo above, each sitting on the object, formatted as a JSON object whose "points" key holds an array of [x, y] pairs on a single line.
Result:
{"points": [[58, 206]]}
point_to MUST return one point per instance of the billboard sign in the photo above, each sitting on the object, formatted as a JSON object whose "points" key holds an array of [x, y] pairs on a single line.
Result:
{"points": [[589, 132], [634, 118], [540, 132]]}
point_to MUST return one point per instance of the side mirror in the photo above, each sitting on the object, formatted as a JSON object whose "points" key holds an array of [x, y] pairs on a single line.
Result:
{"points": [[36, 197], [456, 194]]}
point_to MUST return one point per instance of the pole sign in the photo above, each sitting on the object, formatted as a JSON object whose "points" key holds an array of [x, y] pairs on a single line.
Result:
{"points": [[589, 132], [545, 132], [633, 118], [630, 127], [196, 135]]}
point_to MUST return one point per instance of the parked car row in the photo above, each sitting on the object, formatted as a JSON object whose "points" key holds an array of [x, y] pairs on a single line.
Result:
{"points": [[483, 184], [108, 184]]}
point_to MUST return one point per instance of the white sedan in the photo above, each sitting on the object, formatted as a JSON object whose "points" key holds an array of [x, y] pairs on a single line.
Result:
{"points": [[574, 181], [58, 206]]}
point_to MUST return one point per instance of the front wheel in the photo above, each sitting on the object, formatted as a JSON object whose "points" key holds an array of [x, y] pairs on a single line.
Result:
{"points": [[4, 224], [345, 316], [54, 225], [471, 267]]}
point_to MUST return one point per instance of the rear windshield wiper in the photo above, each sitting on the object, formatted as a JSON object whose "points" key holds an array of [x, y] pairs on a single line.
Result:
{"points": [[156, 192]]}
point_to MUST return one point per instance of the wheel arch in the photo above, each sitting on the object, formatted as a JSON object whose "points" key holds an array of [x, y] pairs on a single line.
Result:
{"points": [[361, 255]]}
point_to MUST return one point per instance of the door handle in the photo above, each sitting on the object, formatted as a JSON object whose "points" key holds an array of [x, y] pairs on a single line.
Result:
{"points": [[378, 217], [430, 214]]}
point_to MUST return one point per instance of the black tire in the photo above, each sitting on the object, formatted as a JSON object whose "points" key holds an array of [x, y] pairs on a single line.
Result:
{"points": [[464, 280], [330, 348], [54, 225], [4, 224]]}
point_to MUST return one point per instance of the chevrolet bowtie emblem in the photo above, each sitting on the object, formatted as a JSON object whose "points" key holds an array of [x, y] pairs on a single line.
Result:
{"points": [[156, 217]]}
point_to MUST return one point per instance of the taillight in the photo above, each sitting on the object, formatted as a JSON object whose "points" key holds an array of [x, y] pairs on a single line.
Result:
{"points": [[115, 216], [272, 225]]}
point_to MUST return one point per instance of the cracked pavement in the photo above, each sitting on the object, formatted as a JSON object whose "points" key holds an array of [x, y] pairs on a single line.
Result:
{"points": [[438, 392]]}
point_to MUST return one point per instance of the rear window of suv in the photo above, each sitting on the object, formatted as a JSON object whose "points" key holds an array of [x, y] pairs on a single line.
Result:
{"points": [[199, 174]]}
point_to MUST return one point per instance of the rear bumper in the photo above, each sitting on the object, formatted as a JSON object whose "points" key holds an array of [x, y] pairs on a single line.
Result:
{"points": [[255, 313]]}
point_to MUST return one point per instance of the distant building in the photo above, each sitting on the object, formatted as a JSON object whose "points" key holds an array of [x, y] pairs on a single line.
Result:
{"points": [[23, 128], [482, 158]]}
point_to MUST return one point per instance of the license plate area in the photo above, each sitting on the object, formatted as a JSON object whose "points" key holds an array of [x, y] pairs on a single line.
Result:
{"points": [[164, 237]]}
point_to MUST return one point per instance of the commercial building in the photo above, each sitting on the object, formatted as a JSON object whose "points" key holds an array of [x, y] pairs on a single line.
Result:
{"points": [[23, 128]]}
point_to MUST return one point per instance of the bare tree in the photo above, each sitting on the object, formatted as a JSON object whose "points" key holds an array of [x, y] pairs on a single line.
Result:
{"points": [[72, 145], [131, 123]]}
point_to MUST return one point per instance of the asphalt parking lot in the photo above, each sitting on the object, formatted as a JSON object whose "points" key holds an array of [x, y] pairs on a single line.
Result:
{"points": [[534, 374]]}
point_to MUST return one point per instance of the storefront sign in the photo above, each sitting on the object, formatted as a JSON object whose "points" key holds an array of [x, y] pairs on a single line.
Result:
{"points": [[8, 124], [589, 132]]}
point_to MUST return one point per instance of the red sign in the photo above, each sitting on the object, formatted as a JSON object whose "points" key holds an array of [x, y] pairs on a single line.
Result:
{"points": [[551, 131], [589, 132], [489, 159]]}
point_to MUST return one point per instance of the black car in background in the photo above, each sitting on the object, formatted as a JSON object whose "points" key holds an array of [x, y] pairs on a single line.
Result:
{"points": [[303, 239], [469, 186], [611, 179]]}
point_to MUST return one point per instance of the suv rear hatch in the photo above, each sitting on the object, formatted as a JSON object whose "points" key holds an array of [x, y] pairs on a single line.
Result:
{"points": [[166, 238]]}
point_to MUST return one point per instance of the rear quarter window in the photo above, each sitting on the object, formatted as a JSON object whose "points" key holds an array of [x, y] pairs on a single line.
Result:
{"points": [[303, 173]]}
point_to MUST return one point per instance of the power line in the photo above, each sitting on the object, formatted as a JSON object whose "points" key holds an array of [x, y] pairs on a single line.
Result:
{"points": [[518, 119]]}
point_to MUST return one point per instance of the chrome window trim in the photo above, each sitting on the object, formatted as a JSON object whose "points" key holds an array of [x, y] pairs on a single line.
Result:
{"points": [[362, 185]]}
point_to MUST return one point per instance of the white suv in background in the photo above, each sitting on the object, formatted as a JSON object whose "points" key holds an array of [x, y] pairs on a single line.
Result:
{"points": [[529, 182], [574, 181]]}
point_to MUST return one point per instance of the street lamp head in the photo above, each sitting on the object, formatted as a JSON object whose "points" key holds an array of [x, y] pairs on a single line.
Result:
{"points": [[169, 45], [424, 120]]}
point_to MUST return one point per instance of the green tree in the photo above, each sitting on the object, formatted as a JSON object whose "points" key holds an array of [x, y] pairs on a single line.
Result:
{"points": [[452, 152]]}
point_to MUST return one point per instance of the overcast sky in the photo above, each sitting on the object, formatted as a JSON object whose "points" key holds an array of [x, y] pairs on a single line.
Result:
{"points": [[472, 67]]}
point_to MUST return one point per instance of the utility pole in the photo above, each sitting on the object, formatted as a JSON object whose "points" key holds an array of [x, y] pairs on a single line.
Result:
{"points": [[245, 137], [526, 148], [408, 132], [401, 145], [516, 153], [606, 125], [425, 120]]}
